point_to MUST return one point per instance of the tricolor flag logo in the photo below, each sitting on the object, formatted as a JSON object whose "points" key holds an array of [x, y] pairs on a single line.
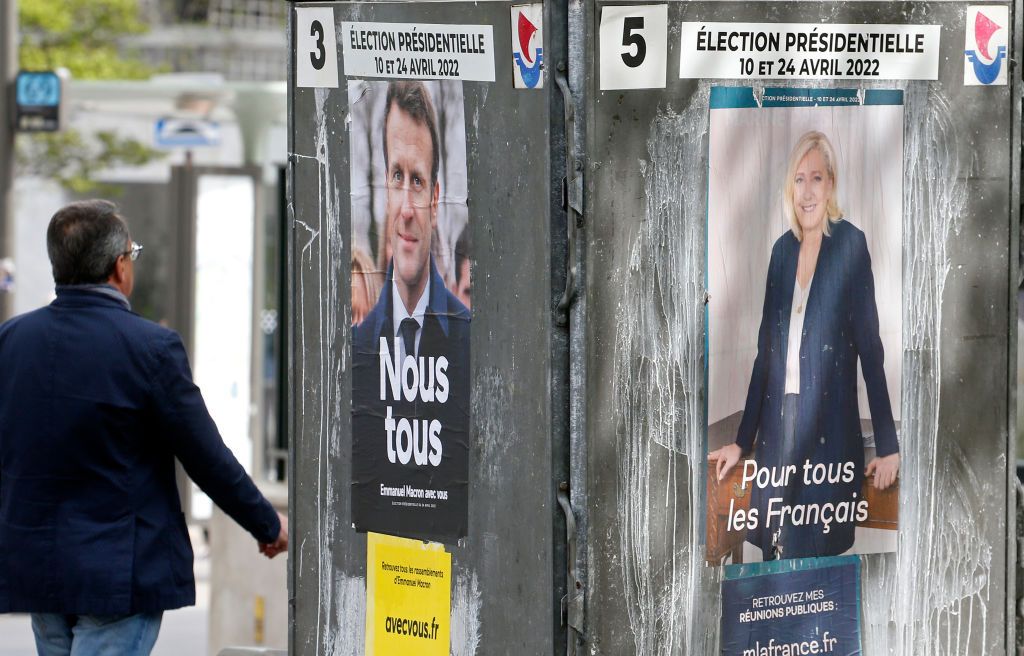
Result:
{"points": [[528, 46], [985, 50]]}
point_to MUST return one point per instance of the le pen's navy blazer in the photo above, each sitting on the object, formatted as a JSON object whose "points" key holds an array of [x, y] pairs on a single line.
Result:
{"points": [[95, 404], [840, 326]]}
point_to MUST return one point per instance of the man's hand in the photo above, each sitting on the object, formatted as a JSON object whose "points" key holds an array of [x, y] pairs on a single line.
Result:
{"points": [[280, 544], [726, 457], [885, 469]]}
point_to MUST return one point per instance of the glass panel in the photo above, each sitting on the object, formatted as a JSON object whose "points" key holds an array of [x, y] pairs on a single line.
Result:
{"points": [[225, 215]]}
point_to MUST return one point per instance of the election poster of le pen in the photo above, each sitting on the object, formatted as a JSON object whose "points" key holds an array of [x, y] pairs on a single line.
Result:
{"points": [[804, 321], [410, 309]]}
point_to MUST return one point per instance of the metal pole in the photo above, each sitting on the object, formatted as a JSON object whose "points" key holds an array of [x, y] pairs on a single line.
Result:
{"points": [[1014, 604], [578, 452], [8, 70]]}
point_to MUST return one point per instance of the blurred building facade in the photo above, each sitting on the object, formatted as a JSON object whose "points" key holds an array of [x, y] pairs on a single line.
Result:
{"points": [[243, 40]]}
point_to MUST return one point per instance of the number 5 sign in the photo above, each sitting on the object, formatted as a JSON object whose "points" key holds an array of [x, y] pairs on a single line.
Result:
{"points": [[634, 47], [316, 51]]}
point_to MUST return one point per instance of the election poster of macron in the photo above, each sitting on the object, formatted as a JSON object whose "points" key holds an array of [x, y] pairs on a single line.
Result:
{"points": [[410, 310]]}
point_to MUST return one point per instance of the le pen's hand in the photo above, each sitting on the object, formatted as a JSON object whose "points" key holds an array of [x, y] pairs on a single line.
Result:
{"points": [[726, 457], [885, 469], [280, 544]]}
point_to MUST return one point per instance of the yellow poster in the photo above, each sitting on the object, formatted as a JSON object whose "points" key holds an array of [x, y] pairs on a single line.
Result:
{"points": [[408, 597]]}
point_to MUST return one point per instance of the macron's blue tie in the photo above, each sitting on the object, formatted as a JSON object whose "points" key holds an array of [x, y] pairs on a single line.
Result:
{"points": [[408, 328]]}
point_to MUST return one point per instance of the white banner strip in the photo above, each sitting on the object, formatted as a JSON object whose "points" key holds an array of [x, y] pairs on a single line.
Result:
{"points": [[420, 51], [815, 51]]}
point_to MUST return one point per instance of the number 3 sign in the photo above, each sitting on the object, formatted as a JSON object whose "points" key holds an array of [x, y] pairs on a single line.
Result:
{"points": [[634, 47], [316, 51]]}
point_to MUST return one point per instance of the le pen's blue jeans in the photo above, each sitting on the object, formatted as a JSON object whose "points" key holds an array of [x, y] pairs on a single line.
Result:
{"points": [[95, 635]]}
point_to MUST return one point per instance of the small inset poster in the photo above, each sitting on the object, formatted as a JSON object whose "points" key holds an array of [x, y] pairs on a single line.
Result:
{"points": [[408, 597], [794, 607], [410, 284], [804, 322]]}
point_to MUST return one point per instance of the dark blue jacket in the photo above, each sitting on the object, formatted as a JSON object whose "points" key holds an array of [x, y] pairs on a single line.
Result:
{"points": [[445, 333], [95, 404], [840, 327]]}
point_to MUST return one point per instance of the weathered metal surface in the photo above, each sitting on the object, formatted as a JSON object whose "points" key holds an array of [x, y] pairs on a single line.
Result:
{"points": [[946, 589], [507, 575], [621, 397]]}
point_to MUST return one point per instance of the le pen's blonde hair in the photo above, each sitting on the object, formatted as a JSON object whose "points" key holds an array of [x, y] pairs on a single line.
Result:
{"points": [[808, 142]]}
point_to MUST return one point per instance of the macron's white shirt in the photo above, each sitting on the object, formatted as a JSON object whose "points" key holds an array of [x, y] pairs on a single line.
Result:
{"points": [[399, 314]]}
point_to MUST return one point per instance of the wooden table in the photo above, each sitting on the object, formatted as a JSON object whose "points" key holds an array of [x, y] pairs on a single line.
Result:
{"points": [[883, 505]]}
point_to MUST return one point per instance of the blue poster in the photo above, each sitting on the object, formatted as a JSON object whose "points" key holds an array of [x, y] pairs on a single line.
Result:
{"points": [[792, 608]]}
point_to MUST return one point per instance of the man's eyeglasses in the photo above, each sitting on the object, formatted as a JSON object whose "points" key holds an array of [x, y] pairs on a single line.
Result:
{"points": [[134, 252], [418, 190]]}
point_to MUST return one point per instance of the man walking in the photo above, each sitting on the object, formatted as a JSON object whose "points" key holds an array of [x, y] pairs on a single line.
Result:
{"points": [[95, 405]]}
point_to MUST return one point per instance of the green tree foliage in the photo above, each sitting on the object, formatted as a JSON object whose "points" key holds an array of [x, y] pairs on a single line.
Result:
{"points": [[73, 160], [81, 36]]}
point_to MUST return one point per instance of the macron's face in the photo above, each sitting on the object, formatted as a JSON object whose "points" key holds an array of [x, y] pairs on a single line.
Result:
{"points": [[812, 190], [411, 202]]}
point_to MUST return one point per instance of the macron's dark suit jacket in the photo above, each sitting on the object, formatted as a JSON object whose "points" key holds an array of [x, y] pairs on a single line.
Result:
{"points": [[445, 333], [95, 404], [840, 326]]}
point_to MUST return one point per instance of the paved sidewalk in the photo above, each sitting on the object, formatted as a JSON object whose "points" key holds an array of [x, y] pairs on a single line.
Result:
{"points": [[183, 631]]}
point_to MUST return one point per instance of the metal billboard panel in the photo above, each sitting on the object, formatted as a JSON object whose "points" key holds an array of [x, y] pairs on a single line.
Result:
{"points": [[948, 588], [506, 580]]}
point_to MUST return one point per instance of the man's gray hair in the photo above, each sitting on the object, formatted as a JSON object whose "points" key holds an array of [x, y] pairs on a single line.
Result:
{"points": [[84, 240]]}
